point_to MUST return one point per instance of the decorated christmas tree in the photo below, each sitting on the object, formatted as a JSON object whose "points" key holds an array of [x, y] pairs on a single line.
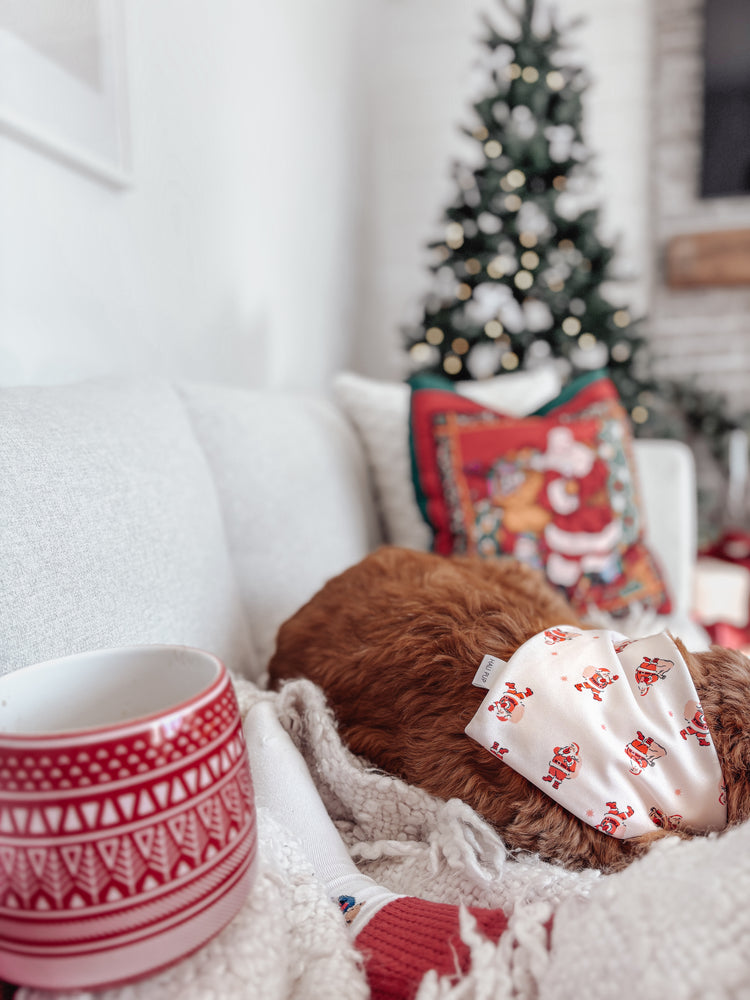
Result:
{"points": [[521, 270]]}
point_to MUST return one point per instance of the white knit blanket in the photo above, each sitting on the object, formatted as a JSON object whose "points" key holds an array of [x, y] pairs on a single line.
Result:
{"points": [[676, 923]]}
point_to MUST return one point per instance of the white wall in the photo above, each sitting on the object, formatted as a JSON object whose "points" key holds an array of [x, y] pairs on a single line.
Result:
{"points": [[423, 78], [291, 159], [231, 257]]}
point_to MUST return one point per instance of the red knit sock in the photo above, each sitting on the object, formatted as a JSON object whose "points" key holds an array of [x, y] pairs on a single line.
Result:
{"points": [[410, 936]]}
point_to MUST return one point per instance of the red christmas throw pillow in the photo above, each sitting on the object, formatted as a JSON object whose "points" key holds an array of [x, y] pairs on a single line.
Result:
{"points": [[557, 490]]}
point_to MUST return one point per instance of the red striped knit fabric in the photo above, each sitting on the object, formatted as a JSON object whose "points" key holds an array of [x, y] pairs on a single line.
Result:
{"points": [[410, 936]]}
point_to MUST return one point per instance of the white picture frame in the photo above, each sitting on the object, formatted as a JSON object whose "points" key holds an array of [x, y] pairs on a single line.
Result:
{"points": [[69, 102]]}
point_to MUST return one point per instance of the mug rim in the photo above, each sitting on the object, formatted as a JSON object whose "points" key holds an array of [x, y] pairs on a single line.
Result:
{"points": [[50, 737]]}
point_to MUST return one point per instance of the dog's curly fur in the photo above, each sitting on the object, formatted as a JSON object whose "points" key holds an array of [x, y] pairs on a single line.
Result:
{"points": [[395, 641]]}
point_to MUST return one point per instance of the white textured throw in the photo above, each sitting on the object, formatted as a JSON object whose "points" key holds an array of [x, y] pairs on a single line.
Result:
{"points": [[609, 727], [676, 922]]}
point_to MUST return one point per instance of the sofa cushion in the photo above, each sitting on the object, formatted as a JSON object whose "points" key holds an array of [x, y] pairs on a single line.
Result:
{"points": [[293, 486], [110, 530], [379, 410], [557, 489]]}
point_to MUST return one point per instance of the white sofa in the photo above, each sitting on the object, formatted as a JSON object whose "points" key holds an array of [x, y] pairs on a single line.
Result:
{"points": [[138, 511]]}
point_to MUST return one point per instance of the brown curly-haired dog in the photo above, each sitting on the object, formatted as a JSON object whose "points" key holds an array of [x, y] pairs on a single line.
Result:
{"points": [[395, 641]]}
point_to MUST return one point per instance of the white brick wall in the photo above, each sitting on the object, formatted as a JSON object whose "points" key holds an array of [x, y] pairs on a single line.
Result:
{"points": [[701, 333]]}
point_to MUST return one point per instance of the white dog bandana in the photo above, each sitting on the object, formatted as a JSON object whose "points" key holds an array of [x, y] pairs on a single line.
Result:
{"points": [[610, 728]]}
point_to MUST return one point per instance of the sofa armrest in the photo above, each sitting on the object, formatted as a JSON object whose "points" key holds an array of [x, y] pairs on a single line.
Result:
{"points": [[666, 473]]}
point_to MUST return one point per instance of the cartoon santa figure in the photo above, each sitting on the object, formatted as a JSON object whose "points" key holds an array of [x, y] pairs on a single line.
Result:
{"points": [[651, 670], [698, 728], [564, 764], [509, 707], [596, 679], [613, 822], [553, 635], [643, 751], [659, 818], [583, 534]]}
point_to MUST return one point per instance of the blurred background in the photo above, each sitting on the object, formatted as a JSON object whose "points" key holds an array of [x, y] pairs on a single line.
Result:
{"points": [[253, 195]]}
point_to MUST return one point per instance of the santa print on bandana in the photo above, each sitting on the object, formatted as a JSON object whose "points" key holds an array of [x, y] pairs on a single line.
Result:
{"points": [[643, 751], [651, 670], [596, 724], [596, 680], [613, 822], [508, 707], [698, 728], [553, 635], [563, 765]]}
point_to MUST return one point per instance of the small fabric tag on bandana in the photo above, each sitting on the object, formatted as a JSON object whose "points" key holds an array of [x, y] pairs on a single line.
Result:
{"points": [[485, 675], [609, 727]]}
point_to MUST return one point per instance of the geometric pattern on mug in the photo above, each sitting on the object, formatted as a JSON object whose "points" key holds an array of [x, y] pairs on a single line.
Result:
{"points": [[82, 871], [55, 769], [83, 931], [87, 810]]}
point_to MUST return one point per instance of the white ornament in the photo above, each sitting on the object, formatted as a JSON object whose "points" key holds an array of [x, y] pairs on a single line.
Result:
{"points": [[486, 302], [484, 359], [538, 318], [489, 223]]}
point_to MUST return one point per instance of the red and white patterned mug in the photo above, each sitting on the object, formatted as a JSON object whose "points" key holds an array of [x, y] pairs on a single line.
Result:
{"points": [[127, 821]]}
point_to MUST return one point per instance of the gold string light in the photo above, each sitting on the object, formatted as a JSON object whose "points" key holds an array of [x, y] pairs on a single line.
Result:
{"points": [[434, 335], [463, 292], [493, 149], [621, 351], [460, 345], [498, 267], [586, 341], [621, 318], [512, 202], [530, 74], [454, 235], [472, 266], [523, 280], [452, 365], [571, 326], [513, 71], [421, 353], [527, 239], [509, 361], [555, 80], [530, 260], [493, 329], [639, 414], [481, 133]]}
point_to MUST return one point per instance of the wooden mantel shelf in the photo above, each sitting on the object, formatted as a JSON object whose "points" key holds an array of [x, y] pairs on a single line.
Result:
{"points": [[698, 260]]}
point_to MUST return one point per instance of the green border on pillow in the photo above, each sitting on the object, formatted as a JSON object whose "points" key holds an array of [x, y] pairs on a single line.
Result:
{"points": [[427, 380], [569, 390]]}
